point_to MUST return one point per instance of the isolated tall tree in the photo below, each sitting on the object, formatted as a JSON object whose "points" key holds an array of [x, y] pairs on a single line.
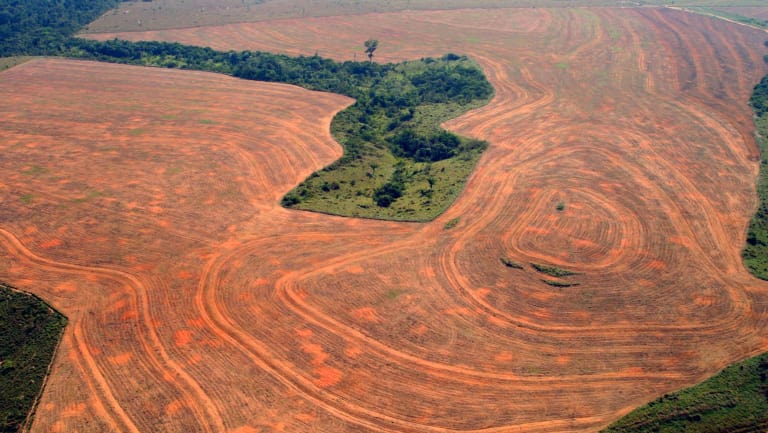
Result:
{"points": [[370, 47]]}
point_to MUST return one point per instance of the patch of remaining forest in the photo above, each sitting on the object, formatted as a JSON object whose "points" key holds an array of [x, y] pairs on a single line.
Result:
{"points": [[735, 400], [29, 333], [398, 163], [755, 252]]}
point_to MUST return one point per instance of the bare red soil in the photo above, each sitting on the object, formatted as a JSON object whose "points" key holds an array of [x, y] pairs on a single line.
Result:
{"points": [[144, 204]]}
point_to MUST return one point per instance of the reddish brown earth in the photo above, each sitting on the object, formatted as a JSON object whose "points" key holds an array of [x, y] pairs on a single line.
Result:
{"points": [[144, 204]]}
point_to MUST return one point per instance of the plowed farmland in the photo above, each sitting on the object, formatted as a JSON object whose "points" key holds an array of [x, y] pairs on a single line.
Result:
{"points": [[143, 204]]}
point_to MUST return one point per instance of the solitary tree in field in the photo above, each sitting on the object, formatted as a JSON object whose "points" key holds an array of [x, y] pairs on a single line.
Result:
{"points": [[370, 47]]}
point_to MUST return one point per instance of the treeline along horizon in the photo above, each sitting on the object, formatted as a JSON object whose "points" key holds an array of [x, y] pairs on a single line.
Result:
{"points": [[394, 123]]}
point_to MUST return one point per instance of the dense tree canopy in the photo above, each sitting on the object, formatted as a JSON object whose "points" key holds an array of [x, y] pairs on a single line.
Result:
{"points": [[38, 27]]}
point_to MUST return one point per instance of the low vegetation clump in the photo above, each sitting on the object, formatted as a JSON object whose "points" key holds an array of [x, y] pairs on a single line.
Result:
{"points": [[29, 334], [451, 224], [511, 263], [755, 253], [736, 400], [555, 283], [552, 271]]}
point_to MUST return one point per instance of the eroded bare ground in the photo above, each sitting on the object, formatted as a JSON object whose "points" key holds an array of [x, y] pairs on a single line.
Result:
{"points": [[144, 204]]}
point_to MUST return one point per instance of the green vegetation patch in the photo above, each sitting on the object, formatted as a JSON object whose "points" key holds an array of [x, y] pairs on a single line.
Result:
{"points": [[735, 400], [38, 27], [29, 334], [755, 252], [511, 263], [552, 271], [555, 283], [451, 224], [9, 62], [398, 163]]}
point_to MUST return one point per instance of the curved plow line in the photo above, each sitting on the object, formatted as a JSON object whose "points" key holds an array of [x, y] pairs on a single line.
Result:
{"points": [[129, 280]]}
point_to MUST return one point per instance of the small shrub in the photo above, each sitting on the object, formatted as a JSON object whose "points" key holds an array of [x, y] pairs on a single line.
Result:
{"points": [[552, 271], [554, 283], [511, 263], [451, 224]]}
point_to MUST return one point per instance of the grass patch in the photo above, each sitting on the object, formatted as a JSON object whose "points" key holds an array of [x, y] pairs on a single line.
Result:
{"points": [[89, 196], [27, 198], [755, 252], [555, 283], [35, 170], [560, 206], [552, 271], [29, 334], [511, 263], [9, 62], [735, 400], [398, 163], [451, 224]]}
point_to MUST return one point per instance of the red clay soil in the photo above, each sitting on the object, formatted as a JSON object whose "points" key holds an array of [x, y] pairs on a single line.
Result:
{"points": [[144, 204]]}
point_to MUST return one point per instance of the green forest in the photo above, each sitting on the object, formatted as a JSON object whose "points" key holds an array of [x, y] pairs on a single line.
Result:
{"points": [[41, 27], [755, 253], [29, 333], [735, 400]]}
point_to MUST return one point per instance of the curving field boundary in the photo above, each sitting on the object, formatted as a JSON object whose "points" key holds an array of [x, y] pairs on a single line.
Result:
{"points": [[621, 150]]}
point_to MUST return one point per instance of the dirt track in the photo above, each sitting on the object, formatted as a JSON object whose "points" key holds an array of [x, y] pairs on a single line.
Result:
{"points": [[758, 12], [196, 303]]}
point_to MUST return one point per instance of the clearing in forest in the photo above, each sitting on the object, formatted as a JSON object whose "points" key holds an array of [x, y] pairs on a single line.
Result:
{"points": [[621, 160]]}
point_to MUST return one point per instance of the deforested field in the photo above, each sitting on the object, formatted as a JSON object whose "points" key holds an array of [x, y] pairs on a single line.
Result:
{"points": [[591, 264]]}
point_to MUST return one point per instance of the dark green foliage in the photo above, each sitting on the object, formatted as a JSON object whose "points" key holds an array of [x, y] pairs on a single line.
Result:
{"points": [[511, 263], [755, 252], [451, 224], [436, 147], [552, 271], [393, 189], [555, 283], [735, 400], [29, 333], [759, 98], [40, 27]]}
